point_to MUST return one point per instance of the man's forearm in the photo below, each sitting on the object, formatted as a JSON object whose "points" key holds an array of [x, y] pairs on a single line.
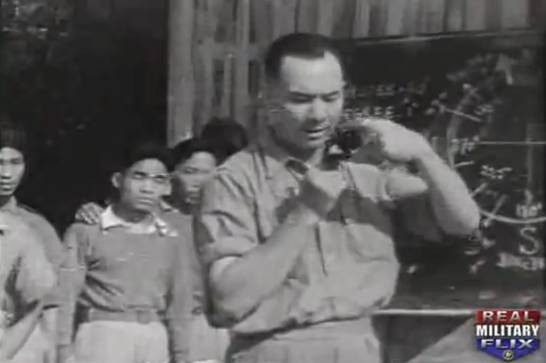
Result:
{"points": [[242, 284], [15, 336], [454, 207]]}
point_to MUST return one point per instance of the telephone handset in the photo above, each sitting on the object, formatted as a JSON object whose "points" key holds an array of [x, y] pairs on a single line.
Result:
{"points": [[343, 144]]}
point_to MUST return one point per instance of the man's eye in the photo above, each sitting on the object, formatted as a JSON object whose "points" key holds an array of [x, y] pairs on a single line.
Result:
{"points": [[138, 176], [331, 98], [190, 171], [161, 179], [300, 100]]}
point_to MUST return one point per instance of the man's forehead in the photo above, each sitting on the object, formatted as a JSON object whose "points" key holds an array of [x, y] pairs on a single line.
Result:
{"points": [[9, 152], [149, 166], [312, 75]]}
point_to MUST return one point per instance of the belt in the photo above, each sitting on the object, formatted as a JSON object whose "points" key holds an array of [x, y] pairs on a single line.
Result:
{"points": [[141, 316]]}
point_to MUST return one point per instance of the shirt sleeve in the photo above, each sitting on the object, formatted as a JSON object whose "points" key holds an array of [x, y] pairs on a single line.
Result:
{"points": [[72, 277], [34, 276], [225, 225], [179, 302], [410, 195], [54, 253]]}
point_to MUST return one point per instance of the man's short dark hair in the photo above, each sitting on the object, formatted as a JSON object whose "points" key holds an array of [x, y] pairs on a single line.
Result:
{"points": [[12, 135], [226, 136], [302, 45], [185, 149], [144, 150]]}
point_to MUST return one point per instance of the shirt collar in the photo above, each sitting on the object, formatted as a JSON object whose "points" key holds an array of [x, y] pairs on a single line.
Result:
{"points": [[10, 206], [109, 220], [274, 156]]}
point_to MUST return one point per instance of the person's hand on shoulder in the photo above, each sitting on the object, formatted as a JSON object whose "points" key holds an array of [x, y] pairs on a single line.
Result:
{"points": [[89, 213]]}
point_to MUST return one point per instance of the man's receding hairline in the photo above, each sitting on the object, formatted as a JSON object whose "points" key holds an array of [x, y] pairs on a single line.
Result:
{"points": [[309, 57]]}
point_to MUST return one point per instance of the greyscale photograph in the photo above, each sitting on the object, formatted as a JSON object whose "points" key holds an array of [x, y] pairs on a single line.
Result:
{"points": [[272, 181]]}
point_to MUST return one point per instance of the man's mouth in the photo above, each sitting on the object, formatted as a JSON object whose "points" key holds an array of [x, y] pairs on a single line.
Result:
{"points": [[6, 186], [317, 132]]}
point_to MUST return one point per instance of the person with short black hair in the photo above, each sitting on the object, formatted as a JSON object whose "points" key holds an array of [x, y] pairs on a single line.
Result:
{"points": [[226, 137], [297, 243], [127, 280], [26, 278], [195, 161], [14, 152]]}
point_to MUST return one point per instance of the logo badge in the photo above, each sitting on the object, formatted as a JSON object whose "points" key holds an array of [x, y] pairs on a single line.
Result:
{"points": [[508, 334]]}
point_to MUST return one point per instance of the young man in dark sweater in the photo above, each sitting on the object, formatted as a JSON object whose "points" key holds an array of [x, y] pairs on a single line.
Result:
{"points": [[127, 279]]}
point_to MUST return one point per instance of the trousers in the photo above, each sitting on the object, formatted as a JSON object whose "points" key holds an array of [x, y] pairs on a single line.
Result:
{"points": [[34, 350], [331, 342], [121, 342], [207, 343]]}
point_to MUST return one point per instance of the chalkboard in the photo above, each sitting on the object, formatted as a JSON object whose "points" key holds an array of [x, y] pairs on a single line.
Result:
{"points": [[478, 99]]}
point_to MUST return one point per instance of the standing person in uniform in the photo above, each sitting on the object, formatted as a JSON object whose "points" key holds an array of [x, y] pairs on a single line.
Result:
{"points": [[40, 347], [127, 279], [26, 277], [299, 248]]}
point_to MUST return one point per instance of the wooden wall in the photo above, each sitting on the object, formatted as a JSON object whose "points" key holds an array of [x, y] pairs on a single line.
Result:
{"points": [[216, 45]]}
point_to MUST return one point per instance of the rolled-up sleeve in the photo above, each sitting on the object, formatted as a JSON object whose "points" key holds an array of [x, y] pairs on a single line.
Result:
{"points": [[225, 225], [410, 196], [35, 276]]}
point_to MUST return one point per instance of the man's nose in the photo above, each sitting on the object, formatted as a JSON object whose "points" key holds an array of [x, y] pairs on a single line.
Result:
{"points": [[147, 186], [5, 172], [318, 110]]}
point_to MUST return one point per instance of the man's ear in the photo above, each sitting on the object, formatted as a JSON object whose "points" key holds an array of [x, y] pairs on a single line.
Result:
{"points": [[116, 180]]}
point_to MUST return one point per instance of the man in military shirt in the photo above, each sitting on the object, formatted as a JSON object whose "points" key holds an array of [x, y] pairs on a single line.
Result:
{"points": [[299, 248], [25, 278], [13, 150]]}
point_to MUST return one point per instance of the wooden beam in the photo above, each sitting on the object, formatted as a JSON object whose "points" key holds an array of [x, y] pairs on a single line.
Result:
{"points": [[306, 16], [455, 15], [412, 17], [361, 23], [325, 17], [493, 15], [378, 17], [395, 17], [435, 16], [207, 15], [240, 84], [227, 80], [515, 14], [180, 71], [344, 17], [475, 14]]}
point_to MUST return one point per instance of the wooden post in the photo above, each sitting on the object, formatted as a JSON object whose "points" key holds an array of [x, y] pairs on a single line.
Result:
{"points": [[395, 16], [207, 15], [180, 71], [475, 14], [454, 15], [361, 23], [412, 18], [515, 14], [325, 17], [240, 85], [306, 18]]}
